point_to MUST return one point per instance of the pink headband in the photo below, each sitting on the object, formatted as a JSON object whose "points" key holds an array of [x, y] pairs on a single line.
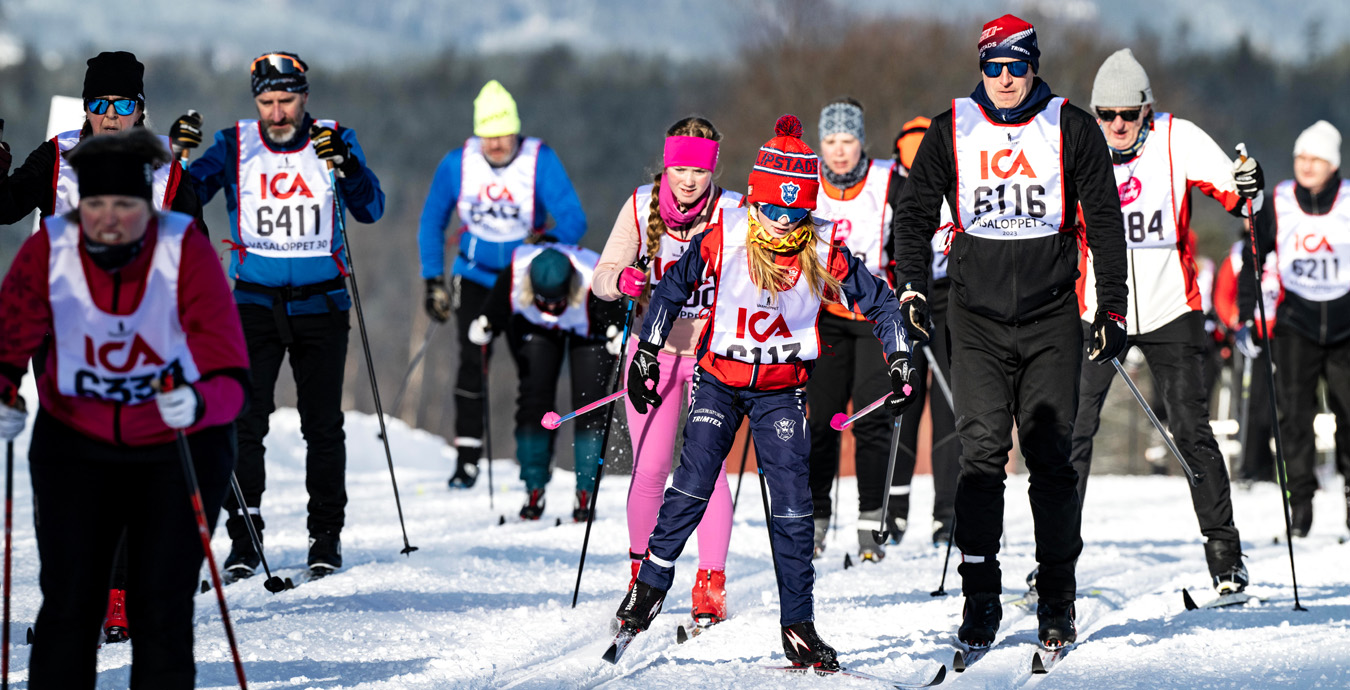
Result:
{"points": [[690, 152]]}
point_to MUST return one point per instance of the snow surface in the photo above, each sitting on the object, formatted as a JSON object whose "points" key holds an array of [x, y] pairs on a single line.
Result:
{"points": [[488, 606]]}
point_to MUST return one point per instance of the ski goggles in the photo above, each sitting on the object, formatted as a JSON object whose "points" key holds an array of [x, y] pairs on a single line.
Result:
{"points": [[1128, 115], [121, 106], [783, 214], [553, 306], [1018, 68], [276, 63]]}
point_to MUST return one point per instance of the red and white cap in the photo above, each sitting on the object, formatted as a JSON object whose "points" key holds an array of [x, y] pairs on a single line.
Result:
{"points": [[787, 171]]}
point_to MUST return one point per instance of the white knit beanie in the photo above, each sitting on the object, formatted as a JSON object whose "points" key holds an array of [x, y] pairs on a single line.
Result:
{"points": [[1322, 140], [1121, 82]]}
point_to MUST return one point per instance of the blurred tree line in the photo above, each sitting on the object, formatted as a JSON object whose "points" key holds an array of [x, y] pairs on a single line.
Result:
{"points": [[606, 117]]}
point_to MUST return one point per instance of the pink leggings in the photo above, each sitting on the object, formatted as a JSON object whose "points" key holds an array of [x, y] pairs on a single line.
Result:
{"points": [[653, 450]]}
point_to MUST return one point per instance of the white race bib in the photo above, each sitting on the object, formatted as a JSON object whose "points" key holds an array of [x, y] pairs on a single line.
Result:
{"points": [[285, 204], [1010, 181], [574, 319], [864, 221], [1313, 251], [68, 185], [672, 248], [1145, 188], [497, 204]]}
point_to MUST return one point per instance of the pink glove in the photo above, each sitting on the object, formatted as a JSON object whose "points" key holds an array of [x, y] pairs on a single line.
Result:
{"points": [[631, 281]]}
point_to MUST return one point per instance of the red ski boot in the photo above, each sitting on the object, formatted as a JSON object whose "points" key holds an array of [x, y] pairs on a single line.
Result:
{"points": [[115, 624], [710, 598]]}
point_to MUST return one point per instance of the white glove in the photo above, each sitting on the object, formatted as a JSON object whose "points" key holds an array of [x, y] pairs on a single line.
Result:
{"points": [[12, 421], [178, 407], [1246, 343], [615, 341], [480, 331]]}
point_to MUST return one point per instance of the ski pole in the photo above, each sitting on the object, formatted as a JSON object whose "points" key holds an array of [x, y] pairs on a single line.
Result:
{"points": [[1194, 478], [273, 583], [339, 218], [611, 385], [9, 528], [1245, 415], [487, 423], [1281, 467], [841, 421], [204, 531], [937, 375], [740, 474], [553, 420], [768, 521], [412, 365], [880, 536]]}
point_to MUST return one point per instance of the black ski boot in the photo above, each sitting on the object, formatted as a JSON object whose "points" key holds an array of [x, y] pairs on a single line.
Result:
{"points": [[581, 507], [979, 619], [465, 476], [534, 508], [804, 647], [1301, 518], [942, 533], [897, 518], [1056, 619], [243, 560], [325, 555], [1225, 566], [1032, 595], [640, 606]]}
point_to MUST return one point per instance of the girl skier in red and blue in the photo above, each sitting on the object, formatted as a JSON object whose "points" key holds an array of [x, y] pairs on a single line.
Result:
{"points": [[772, 273]]}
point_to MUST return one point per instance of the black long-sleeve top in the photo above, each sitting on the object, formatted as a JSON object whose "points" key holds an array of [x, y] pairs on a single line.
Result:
{"points": [[1016, 280]]}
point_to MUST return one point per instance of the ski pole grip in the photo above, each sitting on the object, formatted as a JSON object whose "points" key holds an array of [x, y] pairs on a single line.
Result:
{"points": [[1241, 150]]}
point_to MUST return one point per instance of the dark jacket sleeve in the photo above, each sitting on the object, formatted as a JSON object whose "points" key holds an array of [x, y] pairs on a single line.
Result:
{"points": [[1094, 184], [919, 211], [185, 199], [29, 187], [497, 307]]}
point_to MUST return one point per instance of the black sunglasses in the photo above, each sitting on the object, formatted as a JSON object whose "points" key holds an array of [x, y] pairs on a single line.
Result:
{"points": [[1127, 115], [994, 69]]}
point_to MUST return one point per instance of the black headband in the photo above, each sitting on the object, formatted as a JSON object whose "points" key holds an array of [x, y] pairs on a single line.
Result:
{"points": [[116, 173]]}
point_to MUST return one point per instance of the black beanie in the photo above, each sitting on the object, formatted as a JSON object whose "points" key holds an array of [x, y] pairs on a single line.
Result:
{"points": [[264, 77], [115, 74]]}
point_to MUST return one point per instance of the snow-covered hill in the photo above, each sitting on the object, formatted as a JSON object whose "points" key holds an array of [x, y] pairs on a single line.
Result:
{"points": [[487, 606]]}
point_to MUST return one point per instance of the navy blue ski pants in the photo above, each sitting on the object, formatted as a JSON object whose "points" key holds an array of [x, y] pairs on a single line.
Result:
{"points": [[783, 445]]}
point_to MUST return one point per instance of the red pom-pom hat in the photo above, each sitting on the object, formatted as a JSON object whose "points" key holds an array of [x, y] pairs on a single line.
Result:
{"points": [[787, 171]]}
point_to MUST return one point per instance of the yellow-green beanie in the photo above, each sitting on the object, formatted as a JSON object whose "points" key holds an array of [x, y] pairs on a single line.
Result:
{"points": [[494, 112]]}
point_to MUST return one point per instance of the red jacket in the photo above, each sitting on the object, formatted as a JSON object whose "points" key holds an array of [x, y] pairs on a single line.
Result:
{"points": [[206, 310]]}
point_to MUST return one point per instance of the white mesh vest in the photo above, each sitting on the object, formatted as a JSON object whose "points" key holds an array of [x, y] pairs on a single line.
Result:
{"points": [[863, 221], [1009, 178], [672, 248], [67, 189], [497, 204], [285, 204], [575, 318], [109, 356], [1313, 251]]}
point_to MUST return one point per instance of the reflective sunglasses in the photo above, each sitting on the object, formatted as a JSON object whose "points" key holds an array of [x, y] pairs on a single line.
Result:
{"points": [[554, 306], [1127, 115], [994, 69], [783, 214], [283, 64], [121, 106]]}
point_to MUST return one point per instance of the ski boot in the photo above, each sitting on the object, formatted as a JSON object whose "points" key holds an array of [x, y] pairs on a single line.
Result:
{"points": [[115, 624], [1226, 568], [1032, 595], [942, 534], [979, 619], [822, 525], [640, 606], [535, 507], [804, 647], [636, 560], [466, 464], [710, 597], [581, 507], [897, 520], [1301, 518], [325, 555], [869, 551], [243, 560], [1056, 624]]}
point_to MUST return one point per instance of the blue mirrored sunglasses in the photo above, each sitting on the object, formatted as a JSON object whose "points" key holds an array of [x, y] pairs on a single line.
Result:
{"points": [[994, 69], [783, 214], [121, 106]]}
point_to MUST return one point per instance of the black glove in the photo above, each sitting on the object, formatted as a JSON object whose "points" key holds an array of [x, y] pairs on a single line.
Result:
{"points": [[331, 148], [914, 309], [902, 392], [186, 132], [1248, 177], [642, 369], [438, 299], [1108, 336]]}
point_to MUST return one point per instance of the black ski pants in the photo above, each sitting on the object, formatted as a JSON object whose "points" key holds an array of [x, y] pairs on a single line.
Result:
{"points": [[318, 351], [1258, 462], [853, 366], [467, 299], [1025, 372], [1176, 356], [86, 494], [1299, 363]]}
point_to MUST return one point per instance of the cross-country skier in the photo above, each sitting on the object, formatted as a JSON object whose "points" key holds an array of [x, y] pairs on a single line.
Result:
{"points": [[1014, 162], [504, 187], [114, 100], [101, 294], [659, 221], [1309, 231], [1159, 160], [854, 193], [544, 307], [772, 272], [288, 267]]}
